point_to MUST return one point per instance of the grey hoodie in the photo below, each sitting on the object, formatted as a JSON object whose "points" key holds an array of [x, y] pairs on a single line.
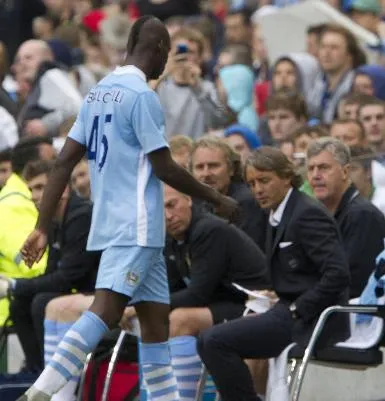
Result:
{"points": [[307, 68]]}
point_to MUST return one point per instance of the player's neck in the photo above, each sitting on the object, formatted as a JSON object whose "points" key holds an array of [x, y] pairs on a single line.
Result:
{"points": [[141, 64]]}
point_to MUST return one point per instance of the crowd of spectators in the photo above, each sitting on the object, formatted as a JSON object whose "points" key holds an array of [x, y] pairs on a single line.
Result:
{"points": [[223, 98]]}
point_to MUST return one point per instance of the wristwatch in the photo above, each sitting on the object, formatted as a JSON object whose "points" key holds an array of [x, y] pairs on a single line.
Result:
{"points": [[293, 310]]}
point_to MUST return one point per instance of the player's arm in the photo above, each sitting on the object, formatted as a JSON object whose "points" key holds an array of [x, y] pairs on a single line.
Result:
{"points": [[36, 243], [148, 122], [70, 155], [168, 171]]}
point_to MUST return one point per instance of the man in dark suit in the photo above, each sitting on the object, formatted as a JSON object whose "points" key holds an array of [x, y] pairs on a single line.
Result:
{"points": [[361, 224], [309, 272]]}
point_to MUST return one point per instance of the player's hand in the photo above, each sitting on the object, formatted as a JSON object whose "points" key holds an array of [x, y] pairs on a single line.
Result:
{"points": [[227, 208], [126, 320], [34, 247]]}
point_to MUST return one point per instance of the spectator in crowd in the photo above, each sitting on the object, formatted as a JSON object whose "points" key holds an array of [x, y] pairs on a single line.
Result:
{"points": [[349, 132], [191, 104], [81, 77], [5, 166], [362, 177], [328, 163], [260, 55], [367, 13], [313, 39], [44, 145], [43, 27], [309, 272], [339, 54], [295, 72], [181, 147], [214, 163], [69, 267], [114, 31], [303, 136], [372, 116], [238, 28], [52, 97], [301, 139], [370, 81], [242, 139], [235, 88], [80, 180], [352, 133], [285, 113], [239, 53], [18, 216], [349, 105]]}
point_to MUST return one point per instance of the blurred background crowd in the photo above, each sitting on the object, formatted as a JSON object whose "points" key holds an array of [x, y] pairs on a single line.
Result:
{"points": [[241, 74]]}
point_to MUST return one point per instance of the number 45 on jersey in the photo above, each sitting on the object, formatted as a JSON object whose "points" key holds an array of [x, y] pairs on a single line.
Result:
{"points": [[93, 150]]}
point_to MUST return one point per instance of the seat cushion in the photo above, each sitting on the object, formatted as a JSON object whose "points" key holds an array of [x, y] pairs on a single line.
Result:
{"points": [[351, 356]]}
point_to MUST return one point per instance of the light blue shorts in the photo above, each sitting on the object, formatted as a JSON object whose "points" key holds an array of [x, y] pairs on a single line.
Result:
{"points": [[135, 271]]}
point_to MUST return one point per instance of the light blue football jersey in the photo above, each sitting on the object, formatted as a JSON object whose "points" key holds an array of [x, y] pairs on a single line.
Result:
{"points": [[120, 122]]}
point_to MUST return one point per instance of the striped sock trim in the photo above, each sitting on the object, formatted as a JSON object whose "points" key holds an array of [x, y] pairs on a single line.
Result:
{"points": [[161, 383]]}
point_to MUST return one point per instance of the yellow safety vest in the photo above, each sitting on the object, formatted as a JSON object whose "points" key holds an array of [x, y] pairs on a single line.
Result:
{"points": [[18, 216]]}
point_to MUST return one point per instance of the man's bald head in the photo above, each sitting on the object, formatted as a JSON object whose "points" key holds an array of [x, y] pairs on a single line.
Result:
{"points": [[30, 55], [149, 43]]}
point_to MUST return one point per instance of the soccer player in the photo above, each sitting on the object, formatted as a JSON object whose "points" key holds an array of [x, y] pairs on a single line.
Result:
{"points": [[121, 127]]}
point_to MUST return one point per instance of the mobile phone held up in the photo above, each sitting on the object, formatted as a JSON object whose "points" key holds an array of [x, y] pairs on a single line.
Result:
{"points": [[182, 49]]}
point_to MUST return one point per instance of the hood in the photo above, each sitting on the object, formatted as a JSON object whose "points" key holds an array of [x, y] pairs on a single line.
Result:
{"points": [[307, 69], [377, 75], [238, 81], [248, 135]]}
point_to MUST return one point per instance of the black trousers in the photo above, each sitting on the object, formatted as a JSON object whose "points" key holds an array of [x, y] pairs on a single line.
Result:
{"points": [[27, 314], [224, 347]]}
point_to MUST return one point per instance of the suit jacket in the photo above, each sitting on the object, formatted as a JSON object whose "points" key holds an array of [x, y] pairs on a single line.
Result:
{"points": [[362, 227], [308, 266]]}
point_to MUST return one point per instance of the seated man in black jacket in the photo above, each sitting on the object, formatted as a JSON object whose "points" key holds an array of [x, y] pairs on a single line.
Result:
{"points": [[216, 164], [361, 224], [70, 267], [309, 272], [204, 255]]}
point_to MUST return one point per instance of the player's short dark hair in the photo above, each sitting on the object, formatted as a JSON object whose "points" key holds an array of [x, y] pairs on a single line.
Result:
{"points": [[135, 32], [38, 167], [6, 155], [27, 150]]}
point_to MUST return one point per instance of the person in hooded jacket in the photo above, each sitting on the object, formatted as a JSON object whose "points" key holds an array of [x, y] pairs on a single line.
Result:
{"points": [[291, 72], [370, 80], [235, 87]]}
